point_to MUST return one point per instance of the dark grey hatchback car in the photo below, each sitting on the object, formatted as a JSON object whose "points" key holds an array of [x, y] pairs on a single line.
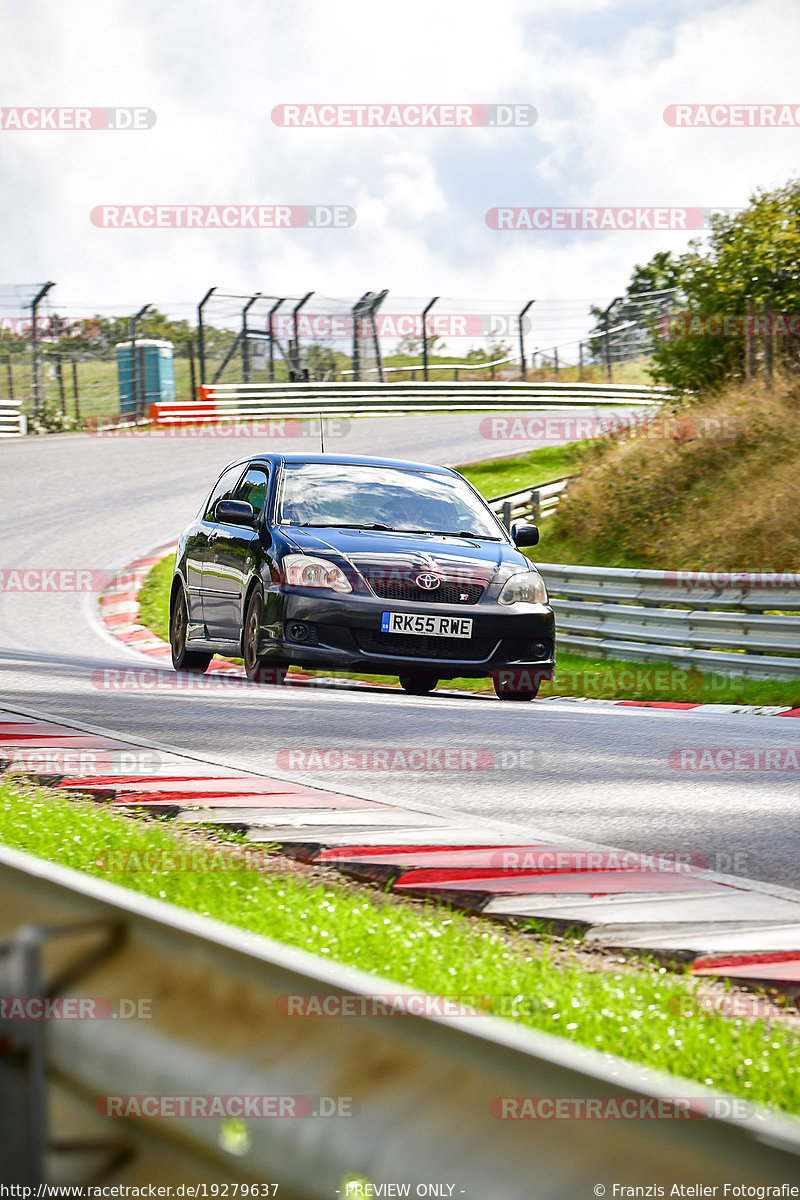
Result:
{"points": [[359, 564]]}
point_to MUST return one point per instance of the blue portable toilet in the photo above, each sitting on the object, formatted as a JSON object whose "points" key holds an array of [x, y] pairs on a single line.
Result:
{"points": [[155, 375]]}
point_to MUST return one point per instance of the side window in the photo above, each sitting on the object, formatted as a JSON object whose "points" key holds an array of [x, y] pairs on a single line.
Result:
{"points": [[226, 485], [253, 489]]}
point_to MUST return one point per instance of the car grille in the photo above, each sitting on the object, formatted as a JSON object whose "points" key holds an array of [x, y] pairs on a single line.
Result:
{"points": [[399, 645], [446, 593]]}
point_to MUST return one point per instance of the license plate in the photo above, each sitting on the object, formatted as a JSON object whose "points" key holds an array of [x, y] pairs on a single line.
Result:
{"points": [[416, 623]]}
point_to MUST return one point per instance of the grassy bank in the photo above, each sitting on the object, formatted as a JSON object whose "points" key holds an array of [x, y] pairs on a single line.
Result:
{"points": [[639, 1011], [720, 490]]}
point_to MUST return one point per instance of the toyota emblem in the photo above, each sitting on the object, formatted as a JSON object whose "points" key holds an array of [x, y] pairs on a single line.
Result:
{"points": [[428, 581]]}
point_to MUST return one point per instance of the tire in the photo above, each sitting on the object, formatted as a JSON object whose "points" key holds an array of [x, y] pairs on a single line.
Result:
{"points": [[258, 670], [516, 685], [183, 659], [418, 685]]}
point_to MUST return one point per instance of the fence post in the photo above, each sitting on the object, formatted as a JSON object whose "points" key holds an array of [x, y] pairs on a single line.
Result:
{"points": [[245, 343], [768, 343], [506, 515], [10, 377], [60, 377], [75, 394], [192, 381], [580, 362], [425, 312], [270, 315], [37, 355], [520, 325], [201, 341], [535, 504]]}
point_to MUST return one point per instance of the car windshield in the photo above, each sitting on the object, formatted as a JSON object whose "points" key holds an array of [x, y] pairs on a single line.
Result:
{"points": [[326, 495]]}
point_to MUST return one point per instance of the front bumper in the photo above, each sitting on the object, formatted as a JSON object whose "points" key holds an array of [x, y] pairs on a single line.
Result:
{"points": [[344, 633]]}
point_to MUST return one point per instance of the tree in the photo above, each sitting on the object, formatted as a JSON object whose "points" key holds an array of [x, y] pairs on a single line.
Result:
{"points": [[752, 256], [497, 350], [411, 346]]}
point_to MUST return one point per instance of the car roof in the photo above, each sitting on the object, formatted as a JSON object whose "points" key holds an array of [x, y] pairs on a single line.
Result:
{"points": [[344, 460]]}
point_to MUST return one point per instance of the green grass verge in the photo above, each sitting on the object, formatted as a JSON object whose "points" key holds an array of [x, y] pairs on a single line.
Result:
{"points": [[641, 1012]]}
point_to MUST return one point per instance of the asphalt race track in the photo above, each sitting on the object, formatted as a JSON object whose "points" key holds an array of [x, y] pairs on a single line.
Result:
{"points": [[591, 771]]}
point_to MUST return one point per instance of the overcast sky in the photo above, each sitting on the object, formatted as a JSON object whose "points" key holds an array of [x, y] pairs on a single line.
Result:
{"points": [[599, 73]]}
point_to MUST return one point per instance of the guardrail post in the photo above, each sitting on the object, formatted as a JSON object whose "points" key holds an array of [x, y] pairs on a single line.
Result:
{"points": [[580, 362], [23, 1097], [535, 504], [506, 514]]}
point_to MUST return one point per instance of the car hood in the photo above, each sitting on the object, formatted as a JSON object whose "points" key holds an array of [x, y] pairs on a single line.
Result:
{"points": [[370, 550]]}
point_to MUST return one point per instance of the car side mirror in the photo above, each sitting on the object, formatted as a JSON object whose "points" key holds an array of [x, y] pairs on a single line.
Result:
{"points": [[525, 535], [234, 512]]}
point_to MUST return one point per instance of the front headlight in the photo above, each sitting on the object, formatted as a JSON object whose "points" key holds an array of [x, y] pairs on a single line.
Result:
{"points": [[302, 570], [525, 588]]}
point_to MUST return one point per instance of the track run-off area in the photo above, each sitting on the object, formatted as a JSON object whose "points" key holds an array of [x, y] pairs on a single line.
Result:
{"points": [[569, 770]]}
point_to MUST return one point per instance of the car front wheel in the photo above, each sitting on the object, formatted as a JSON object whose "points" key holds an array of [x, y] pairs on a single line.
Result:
{"points": [[258, 670], [183, 659]]}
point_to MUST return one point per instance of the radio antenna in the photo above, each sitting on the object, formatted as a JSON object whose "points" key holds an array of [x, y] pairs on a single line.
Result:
{"points": [[321, 434]]}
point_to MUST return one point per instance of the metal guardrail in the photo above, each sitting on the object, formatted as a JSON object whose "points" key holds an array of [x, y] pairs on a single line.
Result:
{"points": [[424, 1090], [737, 623], [221, 402], [13, 422]]}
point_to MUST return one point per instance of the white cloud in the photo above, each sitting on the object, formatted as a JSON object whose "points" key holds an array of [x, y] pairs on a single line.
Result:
{"points": [[600, 73]]}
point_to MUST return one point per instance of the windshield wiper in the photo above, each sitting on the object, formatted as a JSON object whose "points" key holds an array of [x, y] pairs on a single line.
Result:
{"points": [[476, 537], [336, 525]]}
